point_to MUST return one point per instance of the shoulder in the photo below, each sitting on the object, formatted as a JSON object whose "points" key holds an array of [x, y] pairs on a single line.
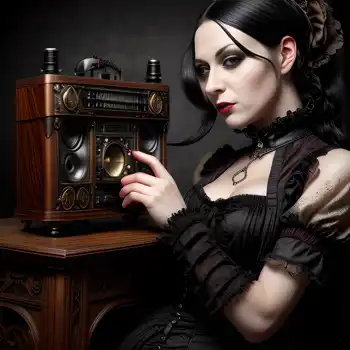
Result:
{"points": [[197, 175], [212, 160], [335, 162], [324, 206], [330, 170]]}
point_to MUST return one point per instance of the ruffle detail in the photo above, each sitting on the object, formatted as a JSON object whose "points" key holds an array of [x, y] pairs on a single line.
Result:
{"points": [[281, 125], [237, 285], [181, 221], [213, 276], [291, 268]]}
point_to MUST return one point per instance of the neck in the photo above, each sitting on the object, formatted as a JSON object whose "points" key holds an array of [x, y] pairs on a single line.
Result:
{"points": [[287, 100], [290, 115]]}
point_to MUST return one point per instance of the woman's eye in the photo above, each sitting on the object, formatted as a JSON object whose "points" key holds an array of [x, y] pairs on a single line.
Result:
{"points": [[201, 71], [231, 61]]}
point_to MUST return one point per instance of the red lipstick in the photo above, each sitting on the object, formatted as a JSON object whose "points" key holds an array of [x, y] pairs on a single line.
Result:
{"points": [[224, 107]]}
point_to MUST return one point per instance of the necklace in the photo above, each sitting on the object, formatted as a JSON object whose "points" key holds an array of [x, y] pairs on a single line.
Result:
{"points": [[279, 133], [260, 151], [257, 154]]}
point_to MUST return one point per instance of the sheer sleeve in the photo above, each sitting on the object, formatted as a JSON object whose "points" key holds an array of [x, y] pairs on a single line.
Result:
{"points": [[319, 221], [213, 275]]}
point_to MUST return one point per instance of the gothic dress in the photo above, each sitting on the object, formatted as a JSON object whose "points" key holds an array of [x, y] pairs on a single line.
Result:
{"points": [[290, 227]]}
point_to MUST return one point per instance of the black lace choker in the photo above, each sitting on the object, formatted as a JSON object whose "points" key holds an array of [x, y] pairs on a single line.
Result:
{"points": [[280, 126]]}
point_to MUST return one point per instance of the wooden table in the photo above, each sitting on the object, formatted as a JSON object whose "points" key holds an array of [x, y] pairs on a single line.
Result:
{"points": [[81, 292]]}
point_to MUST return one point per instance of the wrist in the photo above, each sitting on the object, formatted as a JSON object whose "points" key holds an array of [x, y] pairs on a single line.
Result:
{"points": [[182, 219]]}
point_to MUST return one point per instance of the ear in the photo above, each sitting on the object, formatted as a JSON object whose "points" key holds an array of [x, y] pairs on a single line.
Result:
{"points": [[288, 54]]}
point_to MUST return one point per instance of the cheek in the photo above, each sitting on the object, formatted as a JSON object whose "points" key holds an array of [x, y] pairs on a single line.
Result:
{"points": [[258, 84], [202, 87]]}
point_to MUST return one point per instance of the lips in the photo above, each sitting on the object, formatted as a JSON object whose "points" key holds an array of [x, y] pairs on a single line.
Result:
{"points": [[225, 107]]}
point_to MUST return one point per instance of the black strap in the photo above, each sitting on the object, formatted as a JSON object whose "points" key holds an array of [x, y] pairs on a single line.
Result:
{"points": [[272, 209], [272, 185]]}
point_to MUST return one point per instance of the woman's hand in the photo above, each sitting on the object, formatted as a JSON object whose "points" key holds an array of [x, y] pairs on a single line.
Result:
{"points": [[159, 194]]}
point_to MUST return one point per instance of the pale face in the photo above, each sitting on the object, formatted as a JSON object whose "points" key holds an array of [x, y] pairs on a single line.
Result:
{"points": [[226, 74]]}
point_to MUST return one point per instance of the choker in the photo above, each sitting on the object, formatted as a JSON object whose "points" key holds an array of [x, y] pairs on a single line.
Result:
{"points": [[278, 134], [269, 135]]}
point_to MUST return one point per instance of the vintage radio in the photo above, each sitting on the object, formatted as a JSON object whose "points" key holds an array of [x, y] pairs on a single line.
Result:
{"points": [[74, 136]]}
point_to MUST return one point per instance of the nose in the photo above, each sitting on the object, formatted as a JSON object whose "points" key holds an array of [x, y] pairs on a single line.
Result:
{"points": [[214, 84]]}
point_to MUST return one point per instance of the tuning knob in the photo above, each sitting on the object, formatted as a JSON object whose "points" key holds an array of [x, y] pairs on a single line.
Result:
{"points": [[153, 72], [50, 65]]}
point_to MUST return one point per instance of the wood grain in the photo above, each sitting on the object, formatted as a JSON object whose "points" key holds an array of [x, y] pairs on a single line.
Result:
{"points": [[13, 238]]}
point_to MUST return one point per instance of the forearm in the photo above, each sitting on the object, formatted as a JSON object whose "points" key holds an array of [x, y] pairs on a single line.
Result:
{"points": [[259, 311], [249, 313], [256, 305]]}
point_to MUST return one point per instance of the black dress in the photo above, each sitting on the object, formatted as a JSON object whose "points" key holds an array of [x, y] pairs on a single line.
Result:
{"points": [[253, 230]]}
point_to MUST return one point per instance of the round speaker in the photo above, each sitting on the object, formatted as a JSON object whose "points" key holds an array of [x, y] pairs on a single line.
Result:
{"points": [[74, 167], [113, 159], [71, 136], [148, 139]]}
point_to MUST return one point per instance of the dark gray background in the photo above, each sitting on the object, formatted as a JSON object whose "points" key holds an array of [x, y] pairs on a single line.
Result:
{"points": [[126, 32]]}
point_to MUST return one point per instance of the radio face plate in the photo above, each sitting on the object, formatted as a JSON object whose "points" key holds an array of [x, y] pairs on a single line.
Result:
{"points": [[94, 100]]}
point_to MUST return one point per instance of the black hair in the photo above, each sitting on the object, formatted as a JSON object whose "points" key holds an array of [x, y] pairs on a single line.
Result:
{"points": [[268, 21]]}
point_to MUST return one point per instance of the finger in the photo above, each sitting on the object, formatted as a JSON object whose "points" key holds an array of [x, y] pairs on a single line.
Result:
{"points": [[135, 187], [156, 166], [142, 178], [135, 197]]}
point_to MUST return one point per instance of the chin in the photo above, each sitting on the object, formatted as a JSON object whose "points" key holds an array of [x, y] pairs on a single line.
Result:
{"points": [[235, 121]]}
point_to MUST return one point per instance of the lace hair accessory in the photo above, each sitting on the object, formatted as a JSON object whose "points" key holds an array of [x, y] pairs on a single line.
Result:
{"points": [[327, 37]]}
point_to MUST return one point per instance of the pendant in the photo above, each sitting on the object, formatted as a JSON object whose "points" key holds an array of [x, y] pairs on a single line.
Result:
{"points": [[243, 172]]}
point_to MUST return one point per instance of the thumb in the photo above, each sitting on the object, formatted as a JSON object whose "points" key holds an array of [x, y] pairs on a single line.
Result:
{"points": [[156, 166]]}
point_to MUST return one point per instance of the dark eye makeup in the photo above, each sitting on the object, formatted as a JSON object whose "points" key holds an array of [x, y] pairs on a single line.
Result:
{"points": [[229, 60]]}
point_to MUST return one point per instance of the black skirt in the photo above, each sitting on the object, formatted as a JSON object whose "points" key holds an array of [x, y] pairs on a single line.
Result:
{"points": [[173, 328]]}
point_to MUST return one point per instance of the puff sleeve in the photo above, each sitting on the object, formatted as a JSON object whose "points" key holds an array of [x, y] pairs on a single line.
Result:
{"points": [[319, 221]]}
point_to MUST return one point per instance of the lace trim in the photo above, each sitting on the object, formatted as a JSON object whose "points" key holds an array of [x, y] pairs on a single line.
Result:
{"points": [[233, 202], [297, 256], [179, 222], [294, 269], [281, 125], [182, 219], [240, 287]]}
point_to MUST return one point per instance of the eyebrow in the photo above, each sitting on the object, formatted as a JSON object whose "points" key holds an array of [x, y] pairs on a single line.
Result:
{"points": [[218, 53]]}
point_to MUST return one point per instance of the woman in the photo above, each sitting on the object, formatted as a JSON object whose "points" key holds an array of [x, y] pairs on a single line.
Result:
{"points": [[259, 234]]}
